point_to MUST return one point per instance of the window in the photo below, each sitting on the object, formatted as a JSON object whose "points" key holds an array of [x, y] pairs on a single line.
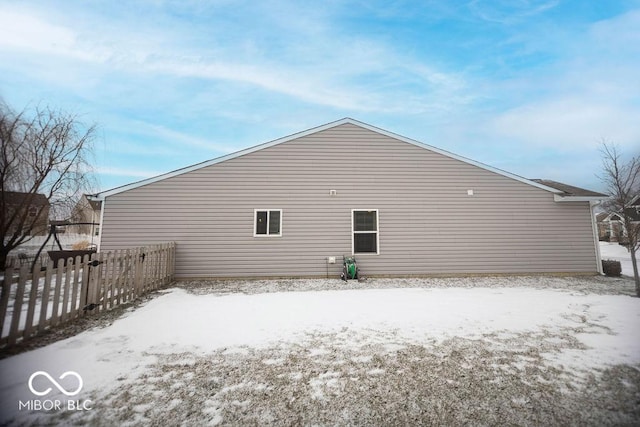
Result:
{"points": [[364, 231], [268, 222]]}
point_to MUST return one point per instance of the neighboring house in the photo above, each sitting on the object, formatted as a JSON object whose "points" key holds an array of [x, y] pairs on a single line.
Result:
{"points": [[88, 212], [610, 226], [633, 211], [33, 206], [290, 207]]}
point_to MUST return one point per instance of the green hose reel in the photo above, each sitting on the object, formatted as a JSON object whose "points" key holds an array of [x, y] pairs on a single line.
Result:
{"points": [[349, 268]]}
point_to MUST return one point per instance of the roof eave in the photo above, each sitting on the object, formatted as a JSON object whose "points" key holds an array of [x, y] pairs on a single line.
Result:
{"points": [[567, 198]]}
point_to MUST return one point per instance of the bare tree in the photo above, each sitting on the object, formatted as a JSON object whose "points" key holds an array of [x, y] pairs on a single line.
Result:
{"points": [[622, 179], [44, 154]]}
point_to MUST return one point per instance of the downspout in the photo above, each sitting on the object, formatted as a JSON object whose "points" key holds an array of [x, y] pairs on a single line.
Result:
{"points": [[594, 229], [103, 201], [103, 206]]}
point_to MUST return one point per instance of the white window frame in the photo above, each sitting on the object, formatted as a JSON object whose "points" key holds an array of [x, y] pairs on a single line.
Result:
{"points": [[255, 222], [353, 232]]}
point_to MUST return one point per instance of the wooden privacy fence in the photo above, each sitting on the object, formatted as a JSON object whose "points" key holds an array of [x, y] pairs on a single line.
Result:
{"points": [[51, 295]]}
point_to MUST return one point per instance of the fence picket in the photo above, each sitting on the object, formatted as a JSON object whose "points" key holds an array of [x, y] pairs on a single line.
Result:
{"points": [[17, 306], [115, 277], [136, 273], [67, 290], [108, 263], [55, 314], [33, 296], [94, 282], [132, 275], [7, 281], [98, 295], [144, 267], [46, 294], [87, 260], [156, 283], [73, 309], [126, 267]]}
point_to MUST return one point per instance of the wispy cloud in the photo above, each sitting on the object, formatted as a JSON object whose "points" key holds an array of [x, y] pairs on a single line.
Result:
{"points": [[177, 82], [592, 93], [133, 172], [509, 11], [323, 73]]}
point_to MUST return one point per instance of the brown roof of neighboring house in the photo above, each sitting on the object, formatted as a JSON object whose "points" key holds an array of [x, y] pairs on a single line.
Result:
{"points": [[569, 190], [16, 198]]}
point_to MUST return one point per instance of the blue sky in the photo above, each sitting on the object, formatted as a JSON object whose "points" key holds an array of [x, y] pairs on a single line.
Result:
{"points": [[528, 86]]}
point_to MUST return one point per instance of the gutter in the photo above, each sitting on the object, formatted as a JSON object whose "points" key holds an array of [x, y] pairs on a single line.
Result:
{"points": [[591, 199]]}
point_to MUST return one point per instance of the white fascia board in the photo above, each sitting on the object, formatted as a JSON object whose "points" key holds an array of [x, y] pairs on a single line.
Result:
{"points": [[561, 198], [102, 195]]}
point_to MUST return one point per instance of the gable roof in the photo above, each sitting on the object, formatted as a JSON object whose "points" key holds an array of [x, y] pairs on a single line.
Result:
{"points": [[18, 198], [608, 216], [107, 193]]}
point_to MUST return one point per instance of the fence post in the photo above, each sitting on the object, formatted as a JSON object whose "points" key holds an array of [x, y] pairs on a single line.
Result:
{"points": [[174, 254], [167, 271], [86, 269], [137, 262], [94, 281]]}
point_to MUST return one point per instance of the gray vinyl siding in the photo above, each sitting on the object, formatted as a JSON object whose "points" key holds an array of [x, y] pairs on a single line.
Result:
{"points": [[428, 223]]}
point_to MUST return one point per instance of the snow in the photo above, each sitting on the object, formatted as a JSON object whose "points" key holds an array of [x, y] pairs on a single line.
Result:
{"points": [[179, 322], [616, 252], [67, 240]]}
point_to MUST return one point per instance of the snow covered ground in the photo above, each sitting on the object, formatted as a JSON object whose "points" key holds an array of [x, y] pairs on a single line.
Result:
{"points": [[616, 252], [67, 240], [549, 354]]}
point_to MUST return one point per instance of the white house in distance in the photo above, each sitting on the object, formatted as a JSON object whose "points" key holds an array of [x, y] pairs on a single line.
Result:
{"points": [[289, 207]]}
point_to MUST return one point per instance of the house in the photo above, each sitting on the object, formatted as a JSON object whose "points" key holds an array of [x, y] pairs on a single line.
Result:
{"points": [[27, 212], [610, 226], [294, 206], [87, 213], [633, 211]]}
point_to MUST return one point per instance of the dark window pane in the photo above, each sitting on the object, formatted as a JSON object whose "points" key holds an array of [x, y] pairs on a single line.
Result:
{"points": [[364, 243], [261, 222], [274, 222], [364, 221]]}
